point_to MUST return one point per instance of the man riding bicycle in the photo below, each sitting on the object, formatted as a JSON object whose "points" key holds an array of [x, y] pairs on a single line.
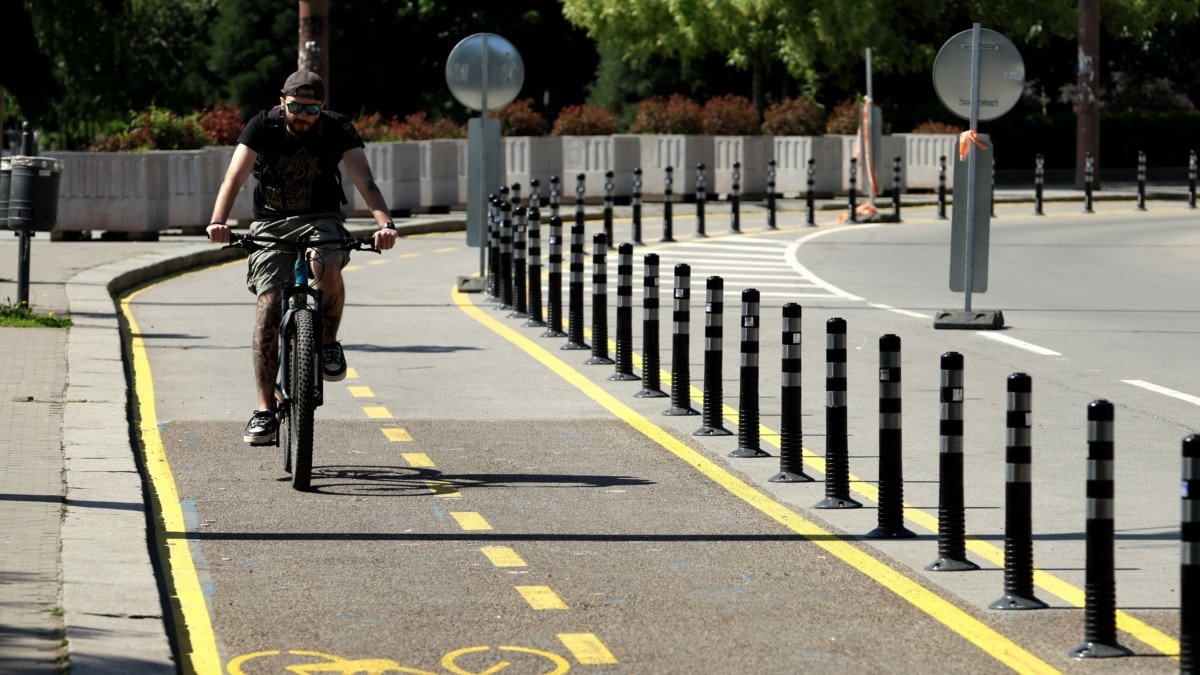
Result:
{"points": [[294, 150]]}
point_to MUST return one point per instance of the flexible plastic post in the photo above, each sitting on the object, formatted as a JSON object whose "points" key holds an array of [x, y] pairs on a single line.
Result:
{"points": [[624, 360], [837, 451], [1189, 559], [941, 207], [534, 234], [810, 196], [515, 192], [506, 256], [637, 206], [1141, 180], [791, 434], [554, 327], [493, 254], [1191, 179], [1088, 176], [1018, 499], [952, 547], [749, 444], [771, 223], [555, 197], [535, 200], [853, 193], [575, 292], [520, 299], [714, 328], [896, 188], [599, 302], [579, 198], [891, 462], [608, 208], [681, 378], [1100, 578], [668, 235], [651, 387], [700, 198], [1039, 181]]}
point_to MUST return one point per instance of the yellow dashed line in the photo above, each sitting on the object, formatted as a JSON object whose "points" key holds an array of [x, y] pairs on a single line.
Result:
{"points": [[541, 597], [587, 649], [409, 255], [452, 249], [351, 374], [361, 392], [441, 488], [469, 520], [419, 460], [397, 434], [503, 556], [378, 413], [379, 262]]}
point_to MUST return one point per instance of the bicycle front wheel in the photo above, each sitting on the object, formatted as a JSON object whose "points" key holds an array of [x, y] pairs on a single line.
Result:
{"points": [[302, 360]]}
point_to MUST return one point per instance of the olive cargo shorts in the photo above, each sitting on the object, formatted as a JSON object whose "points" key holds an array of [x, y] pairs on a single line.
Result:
{"points": [[268, 269]]}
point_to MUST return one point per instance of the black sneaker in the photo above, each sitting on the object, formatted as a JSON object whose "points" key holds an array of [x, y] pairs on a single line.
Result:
{"points": [[335, 362], [261, 428]]}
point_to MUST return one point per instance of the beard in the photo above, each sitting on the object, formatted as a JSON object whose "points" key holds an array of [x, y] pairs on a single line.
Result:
{"points": [[301, 126]]}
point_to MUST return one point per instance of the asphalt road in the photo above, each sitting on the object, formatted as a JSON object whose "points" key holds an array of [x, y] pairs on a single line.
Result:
{"points": [[483, 497]]}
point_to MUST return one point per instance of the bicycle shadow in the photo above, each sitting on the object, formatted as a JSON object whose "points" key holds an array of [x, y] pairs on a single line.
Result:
{"points": [[391, 481]]}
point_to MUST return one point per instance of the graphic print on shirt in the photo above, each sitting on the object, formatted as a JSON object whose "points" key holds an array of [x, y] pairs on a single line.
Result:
{"points": [[296, 174]]}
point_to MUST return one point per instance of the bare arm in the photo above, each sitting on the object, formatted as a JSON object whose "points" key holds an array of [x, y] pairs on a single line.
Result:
{"points": [[235, 177], [360, 172]]}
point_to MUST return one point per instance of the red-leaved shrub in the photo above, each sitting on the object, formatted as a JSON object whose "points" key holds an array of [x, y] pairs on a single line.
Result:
{"points": [[798, 116], [584, 120], [730, 115], [222, 123], [519, 119], [676, 115], [845, 118], [934, 127]]}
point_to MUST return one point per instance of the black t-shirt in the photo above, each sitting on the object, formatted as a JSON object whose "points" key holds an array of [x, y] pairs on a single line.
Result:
{"points": [[298, 175]]}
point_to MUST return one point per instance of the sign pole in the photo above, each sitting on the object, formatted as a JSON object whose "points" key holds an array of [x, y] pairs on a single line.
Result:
{"points": [[972, 174], [481, 198]]}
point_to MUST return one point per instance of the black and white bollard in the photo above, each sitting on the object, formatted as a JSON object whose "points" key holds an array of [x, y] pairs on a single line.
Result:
{"points": [[1039, 183], [579, 198], [810, 195], [555, 197], [575, 292], [771, 224], [668, 235], [853, 192], [534, 236], [896, 188], [535, 200], [1141, 180], [712, 405], [1191, 200], [515, 192], [749, 441], [791, 434], [651, 363], [681, 378], [1189, 560], [624, 360], [735, 200], [554, 327], [493, 253], [952, 546], [637, 206], [701, 195], [520, 299], [837, 447], [599, 302], [891, 462], [506, 256], [608, 207], [1088, 176], [1100, 579], [1018, 499], [941, 209]]}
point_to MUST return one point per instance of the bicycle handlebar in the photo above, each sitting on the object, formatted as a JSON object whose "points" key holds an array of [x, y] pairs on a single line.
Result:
{"points": [[255, 242]]}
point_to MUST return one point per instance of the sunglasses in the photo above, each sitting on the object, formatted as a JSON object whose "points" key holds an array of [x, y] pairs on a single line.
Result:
{"points": [[309, 109]]}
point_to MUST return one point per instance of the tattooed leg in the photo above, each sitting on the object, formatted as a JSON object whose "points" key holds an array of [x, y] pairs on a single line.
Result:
{"points": [[333, 294], [266, 347]]}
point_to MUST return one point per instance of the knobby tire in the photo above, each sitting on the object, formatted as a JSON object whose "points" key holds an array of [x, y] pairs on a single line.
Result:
{"points": [[303, 364]]}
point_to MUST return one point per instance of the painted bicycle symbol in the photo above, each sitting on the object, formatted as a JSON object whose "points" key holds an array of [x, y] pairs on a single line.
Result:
{"points": [[466, 661]]}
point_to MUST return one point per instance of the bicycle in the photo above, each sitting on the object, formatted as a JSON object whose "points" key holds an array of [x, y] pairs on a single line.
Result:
{"points": [[299, 386]]}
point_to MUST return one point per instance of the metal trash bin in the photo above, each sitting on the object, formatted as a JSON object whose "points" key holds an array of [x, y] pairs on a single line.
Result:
{"points": [[5, 180], [33, 193]]}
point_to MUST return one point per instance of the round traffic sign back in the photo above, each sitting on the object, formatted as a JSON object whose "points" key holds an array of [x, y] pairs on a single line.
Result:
{"points": [[466, 78], [1001, 74]]}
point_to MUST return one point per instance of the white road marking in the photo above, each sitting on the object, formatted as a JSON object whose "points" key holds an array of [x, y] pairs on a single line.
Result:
{"points": [[1150, 386], [1017, 343], [904, 312]]}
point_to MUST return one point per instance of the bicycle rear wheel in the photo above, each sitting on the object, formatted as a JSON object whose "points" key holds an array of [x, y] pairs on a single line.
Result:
{"points": [[302, 358]]}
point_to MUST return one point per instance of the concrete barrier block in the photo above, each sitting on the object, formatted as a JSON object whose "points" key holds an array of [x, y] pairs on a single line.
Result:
{"points": [[594, 156], [923, 153], [752, 152], [528, 157], [438, 173], [682, 153]]}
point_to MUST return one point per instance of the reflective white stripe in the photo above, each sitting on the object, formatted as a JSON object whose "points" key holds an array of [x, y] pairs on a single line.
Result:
{"points": [[1100, 431], [1189, 553], [889, 421], [1100, 469], [1100, 509], [1019, 473]]}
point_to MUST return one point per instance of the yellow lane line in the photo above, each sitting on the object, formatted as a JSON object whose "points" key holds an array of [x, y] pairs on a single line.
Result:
{"points": [[377, 413], [541, 597], [417, 460], [503, 556], [194, 625], [396, 435], [443, 488], [383, 261], [360, 392], [351, 374], [980, 634], [451, 249], [469, 520], [587, 649]]}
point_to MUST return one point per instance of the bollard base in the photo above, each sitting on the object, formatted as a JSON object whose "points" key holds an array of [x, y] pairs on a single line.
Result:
{"points": [[837, 503], [518, 315], [679, 411], [986, 319], [891, 532], [712, 431], [790, 477], [651, 393], [1098, 650], [623, 377], [534, 323], [576, 345], [1011, 601], [471, 284], [554, 334], [749, 452], [599, 361], [945, 564]]}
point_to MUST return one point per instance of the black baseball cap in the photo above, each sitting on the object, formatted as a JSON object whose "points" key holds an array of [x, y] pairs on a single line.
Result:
{"points": [[304, 84]]}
